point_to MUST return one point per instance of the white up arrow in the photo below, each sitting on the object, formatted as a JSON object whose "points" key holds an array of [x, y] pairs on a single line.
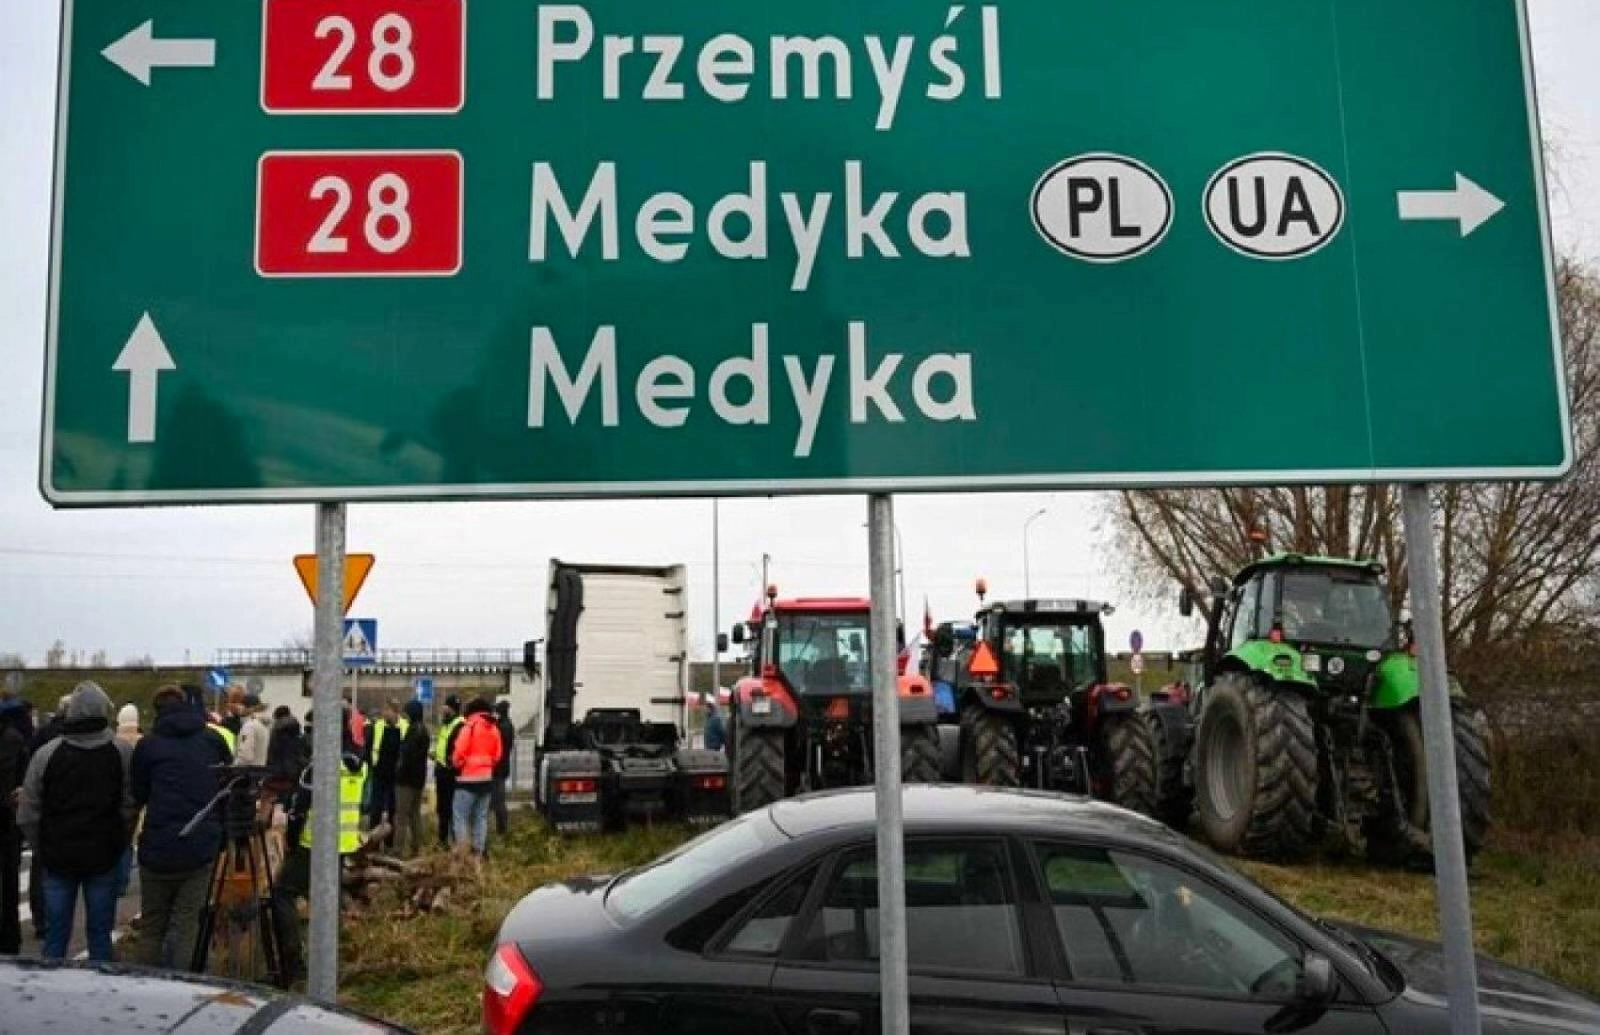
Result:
{"points": [[1469, 204], [143, 359], [139, 51]]}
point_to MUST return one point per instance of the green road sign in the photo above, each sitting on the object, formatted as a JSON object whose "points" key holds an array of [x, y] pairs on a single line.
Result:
{"points": [[391, 249]]}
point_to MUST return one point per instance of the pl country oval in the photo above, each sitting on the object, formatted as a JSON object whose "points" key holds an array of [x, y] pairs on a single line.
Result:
{"points": [[1102, 207], [1274, 206]]}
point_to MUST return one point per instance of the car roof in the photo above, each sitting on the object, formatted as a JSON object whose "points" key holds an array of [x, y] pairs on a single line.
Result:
{"points": [[68, 997], [934, 808]]}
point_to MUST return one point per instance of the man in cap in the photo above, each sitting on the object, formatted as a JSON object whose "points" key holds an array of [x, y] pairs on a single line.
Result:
{"points": [[77, 810], [255, 733]]}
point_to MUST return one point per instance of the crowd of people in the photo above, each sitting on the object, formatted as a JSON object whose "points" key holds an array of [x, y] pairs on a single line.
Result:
{"points": [[95, 793]]}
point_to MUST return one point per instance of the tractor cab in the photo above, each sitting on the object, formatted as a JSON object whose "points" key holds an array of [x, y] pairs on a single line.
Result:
{"points": [[1333, 616], [1048, 650]]}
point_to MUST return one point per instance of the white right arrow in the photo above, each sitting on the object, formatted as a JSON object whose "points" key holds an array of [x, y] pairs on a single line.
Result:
{"points": [[140, 51], [1469, 204], [143, 359]]}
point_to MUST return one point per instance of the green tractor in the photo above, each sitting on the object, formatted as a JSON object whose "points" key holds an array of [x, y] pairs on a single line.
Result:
{"points": [[1306, 726]]}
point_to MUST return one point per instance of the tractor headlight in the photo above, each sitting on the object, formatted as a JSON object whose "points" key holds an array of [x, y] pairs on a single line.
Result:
{"points": [[761, 706], [1312, 663], [1335, 666]]}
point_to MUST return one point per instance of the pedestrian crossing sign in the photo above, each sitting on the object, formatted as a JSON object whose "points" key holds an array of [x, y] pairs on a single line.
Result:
{"points": [[360, 641]]}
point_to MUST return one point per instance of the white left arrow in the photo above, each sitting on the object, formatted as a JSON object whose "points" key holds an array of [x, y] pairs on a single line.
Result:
{"points": [[140, 51], [143, 359]]}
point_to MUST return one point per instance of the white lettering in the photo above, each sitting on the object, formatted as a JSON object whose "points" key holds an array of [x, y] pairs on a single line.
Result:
{"points": [[753, 207], [600, 362], [665, 213], [612, 50], [654, 386], [551, 50], [808, 398], [726, 55], [890, 74], [754, 410], [953, 206], [548, 200], [874, 389], [859, 226], [660, 86], [810, 52], [807, 234], [958, 368]]}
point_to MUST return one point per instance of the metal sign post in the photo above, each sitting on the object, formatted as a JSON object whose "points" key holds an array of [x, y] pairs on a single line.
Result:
{"points": [[892, 983], [1449, 856], [322, 979]]}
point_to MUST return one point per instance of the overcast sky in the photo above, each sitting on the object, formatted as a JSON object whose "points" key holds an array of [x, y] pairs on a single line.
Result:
{"points": [[183, 582]]}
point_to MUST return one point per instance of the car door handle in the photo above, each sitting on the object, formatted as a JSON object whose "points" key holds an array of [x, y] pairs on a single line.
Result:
{"points": [[832, 1022]]}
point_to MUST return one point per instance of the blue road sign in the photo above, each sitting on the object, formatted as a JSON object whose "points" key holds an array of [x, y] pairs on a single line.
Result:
{"points": [[424, 690], [360, 641], [219, 679]]}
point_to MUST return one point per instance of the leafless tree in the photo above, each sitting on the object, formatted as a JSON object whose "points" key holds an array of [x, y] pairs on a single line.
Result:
{"points": [[1518, 559]]}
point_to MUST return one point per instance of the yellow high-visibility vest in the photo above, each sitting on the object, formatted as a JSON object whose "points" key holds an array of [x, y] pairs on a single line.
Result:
{"points": [[351, 786], [227, 736], [442, 743], [380, 732]]}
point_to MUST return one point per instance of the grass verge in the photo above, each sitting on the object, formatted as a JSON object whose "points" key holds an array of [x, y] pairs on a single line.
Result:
{"points": [[1535, 904]]}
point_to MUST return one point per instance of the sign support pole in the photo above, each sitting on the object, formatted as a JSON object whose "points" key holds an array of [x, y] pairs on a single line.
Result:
{"points": [[892, 982], [716, 598], [322, 978], [1449, 855]]}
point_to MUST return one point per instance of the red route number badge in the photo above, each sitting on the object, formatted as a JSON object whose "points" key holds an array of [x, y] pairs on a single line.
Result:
{"points": [[350, 57], [359, 214]]}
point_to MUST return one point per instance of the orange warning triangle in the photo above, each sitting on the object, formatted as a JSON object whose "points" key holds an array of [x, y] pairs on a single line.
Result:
{"points": [[356, 568], [983, 662]]}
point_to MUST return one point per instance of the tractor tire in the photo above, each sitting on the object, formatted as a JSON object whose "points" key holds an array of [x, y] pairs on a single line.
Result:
{"points": [[758, 777], [1256, 769], [1403, 837], [919, 754], [1174, 798], [1126, 764], [989, 753]]}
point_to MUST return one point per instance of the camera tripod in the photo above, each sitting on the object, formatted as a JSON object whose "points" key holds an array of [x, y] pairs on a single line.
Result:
{"points": [[239, 896]]}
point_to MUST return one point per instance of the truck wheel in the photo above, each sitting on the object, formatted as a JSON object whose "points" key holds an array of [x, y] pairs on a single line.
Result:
{"points": [[1127, 764], [1174, 798], [919, 754], [1256, 769], [758, 769], [1402, 835], [988, 748]]}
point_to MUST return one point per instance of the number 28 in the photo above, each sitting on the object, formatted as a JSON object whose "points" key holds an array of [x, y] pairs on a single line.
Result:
{"points": [[391, 49]]}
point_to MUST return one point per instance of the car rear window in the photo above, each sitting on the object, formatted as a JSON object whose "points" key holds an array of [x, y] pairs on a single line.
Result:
{"points": [[694, 865]]}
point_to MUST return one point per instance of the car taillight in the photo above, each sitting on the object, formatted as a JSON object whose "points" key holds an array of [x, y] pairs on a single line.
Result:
{"points": [[710, 783], [575, 786], [510, 990]]}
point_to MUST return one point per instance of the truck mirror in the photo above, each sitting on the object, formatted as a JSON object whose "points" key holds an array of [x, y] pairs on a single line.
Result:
{"points": [[1219, 586], [722, 643], [1185, 602], [738, 633]]}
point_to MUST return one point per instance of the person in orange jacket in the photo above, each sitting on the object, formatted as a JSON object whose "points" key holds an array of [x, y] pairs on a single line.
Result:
{"points": [[477, 752]]}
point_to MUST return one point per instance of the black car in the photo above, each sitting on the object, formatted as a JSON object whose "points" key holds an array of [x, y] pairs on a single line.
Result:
{"points": [[1026, 912], [70, 999]]}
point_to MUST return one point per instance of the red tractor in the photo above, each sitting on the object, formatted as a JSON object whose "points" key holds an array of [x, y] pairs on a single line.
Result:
{"points": [[801, 720]]}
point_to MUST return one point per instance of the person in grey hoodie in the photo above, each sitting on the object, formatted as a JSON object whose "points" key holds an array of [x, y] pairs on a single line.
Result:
{"points": [[77, 810]]}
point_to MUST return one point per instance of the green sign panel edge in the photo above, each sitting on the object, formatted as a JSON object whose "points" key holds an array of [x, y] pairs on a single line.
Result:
{"points": [[755, 487]]}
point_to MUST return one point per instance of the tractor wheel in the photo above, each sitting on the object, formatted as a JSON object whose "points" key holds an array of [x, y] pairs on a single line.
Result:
{"points": [[1256, 769], [1174, 798], [1127, 764], [988, 748], [1403, 835], [919, 754], [758, 769]]}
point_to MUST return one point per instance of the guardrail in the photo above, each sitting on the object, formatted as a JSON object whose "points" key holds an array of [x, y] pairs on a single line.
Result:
{"points": [[442, 657]]}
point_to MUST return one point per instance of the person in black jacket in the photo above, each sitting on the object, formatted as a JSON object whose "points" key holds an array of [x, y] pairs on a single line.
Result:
{"points": [[383, 752], [502, 769], [77, 810], [288, 752], [13, 764], [175, 773], [410, 777]]}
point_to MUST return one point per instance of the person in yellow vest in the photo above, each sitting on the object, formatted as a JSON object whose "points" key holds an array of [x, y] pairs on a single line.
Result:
{"points": [[444, 773], [294, 876]]}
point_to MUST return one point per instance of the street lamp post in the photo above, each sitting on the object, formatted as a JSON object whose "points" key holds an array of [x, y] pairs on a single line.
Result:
{"points": [[1027, 585]]}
